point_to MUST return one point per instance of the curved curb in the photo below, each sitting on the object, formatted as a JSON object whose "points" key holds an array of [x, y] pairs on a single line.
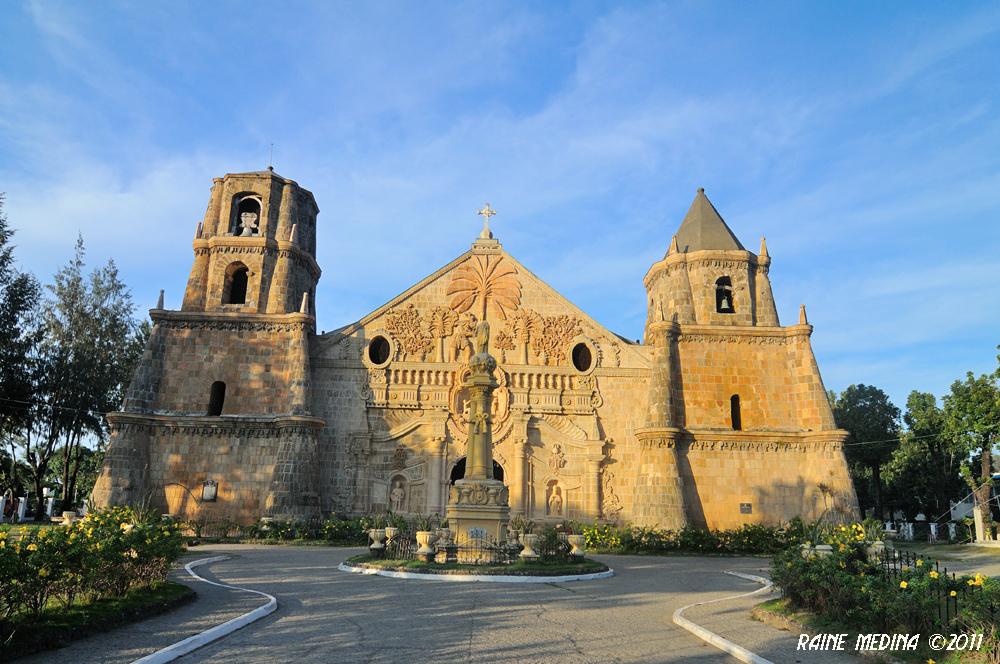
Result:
{"points": [[473, 578], [739, 652], [192, 643]]}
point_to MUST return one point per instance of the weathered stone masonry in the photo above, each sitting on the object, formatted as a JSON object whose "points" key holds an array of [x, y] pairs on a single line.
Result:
{"points": [[719, 418]]}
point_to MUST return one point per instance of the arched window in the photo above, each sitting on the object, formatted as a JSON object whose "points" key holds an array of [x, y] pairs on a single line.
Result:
{"points": [[235, 290], [216, 399], [246, 216], [734, 412], [458, 472], [724, 296]]}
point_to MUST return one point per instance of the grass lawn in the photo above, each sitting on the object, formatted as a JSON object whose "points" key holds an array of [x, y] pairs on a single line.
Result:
{"points": [[516, 569], [58, 625], [780, 614]]}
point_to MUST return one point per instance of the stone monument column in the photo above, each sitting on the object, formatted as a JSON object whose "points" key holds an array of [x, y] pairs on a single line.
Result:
{"points": [[478, 505]]}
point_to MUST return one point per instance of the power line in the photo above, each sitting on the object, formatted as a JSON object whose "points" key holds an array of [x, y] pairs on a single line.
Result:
{"points": [[899, 438]]}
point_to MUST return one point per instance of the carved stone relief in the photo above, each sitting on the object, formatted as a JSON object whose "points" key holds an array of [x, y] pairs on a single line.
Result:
{"points": [[408, 327], [484, 281]]}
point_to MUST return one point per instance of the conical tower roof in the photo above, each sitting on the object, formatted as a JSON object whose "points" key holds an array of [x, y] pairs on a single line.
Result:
{"points": [[703, 228]]}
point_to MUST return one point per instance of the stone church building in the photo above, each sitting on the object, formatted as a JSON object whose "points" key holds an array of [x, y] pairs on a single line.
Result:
{"points": [[240, 410]]}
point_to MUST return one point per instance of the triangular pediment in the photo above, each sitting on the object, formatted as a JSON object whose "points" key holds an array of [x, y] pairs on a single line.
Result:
{"points": [[529, 319]]}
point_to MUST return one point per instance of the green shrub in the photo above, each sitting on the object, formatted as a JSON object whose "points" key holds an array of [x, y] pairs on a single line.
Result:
{"points": [[859, 593], [102, 555], [747, 539]]}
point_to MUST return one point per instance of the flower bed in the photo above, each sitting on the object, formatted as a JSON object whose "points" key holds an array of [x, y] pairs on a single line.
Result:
{"points": [[887, 594], [104, 555]]}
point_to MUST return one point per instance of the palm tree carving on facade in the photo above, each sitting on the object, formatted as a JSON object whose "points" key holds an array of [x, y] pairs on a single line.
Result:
{"points": [[482, 281]]}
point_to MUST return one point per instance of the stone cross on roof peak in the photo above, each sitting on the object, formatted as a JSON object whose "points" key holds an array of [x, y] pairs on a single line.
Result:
{"points": [[486, 243], [486, 213]]}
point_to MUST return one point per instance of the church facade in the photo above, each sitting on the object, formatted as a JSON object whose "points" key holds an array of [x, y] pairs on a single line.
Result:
{"points": [[239, 410]]}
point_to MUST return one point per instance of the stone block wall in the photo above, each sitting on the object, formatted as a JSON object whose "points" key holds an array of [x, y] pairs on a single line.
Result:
{"points": [[263, 362]]}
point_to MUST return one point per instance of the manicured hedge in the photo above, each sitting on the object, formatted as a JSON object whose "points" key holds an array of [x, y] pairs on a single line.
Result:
{"points": [[748, 539]]}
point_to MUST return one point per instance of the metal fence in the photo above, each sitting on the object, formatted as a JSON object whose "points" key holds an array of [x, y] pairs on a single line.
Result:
{"points": [[948, 595], [478, 551]]}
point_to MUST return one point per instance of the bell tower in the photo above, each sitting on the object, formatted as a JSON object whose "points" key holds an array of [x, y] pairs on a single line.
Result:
{"points": [[729, 387], [225, 383], [255, 250]]}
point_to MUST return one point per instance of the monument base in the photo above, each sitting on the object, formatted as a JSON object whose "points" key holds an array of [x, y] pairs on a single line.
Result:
{"points": [[478, 509]]}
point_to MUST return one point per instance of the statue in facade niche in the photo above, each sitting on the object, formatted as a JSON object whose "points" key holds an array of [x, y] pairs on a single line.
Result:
{"points": [[397, 496], [555, 503]]}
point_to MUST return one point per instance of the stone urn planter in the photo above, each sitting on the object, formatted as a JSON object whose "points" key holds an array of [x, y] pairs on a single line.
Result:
{"points": [[425, 541], [68, 517], [377, 548], [528, 553], [577, 542], [390, 533], [819, 550], [875, 549]]}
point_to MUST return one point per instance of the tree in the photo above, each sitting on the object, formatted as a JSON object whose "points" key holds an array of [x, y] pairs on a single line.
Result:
{"points": [[87, 351], [972, 419], [923, 473], [19, 333], [872, 421]]}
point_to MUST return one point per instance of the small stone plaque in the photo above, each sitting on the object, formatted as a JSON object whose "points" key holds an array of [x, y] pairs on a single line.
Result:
{"points": [[746, 508]]}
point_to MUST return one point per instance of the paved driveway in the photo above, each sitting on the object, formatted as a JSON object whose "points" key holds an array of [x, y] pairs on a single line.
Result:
{"points": [[329, 616]]}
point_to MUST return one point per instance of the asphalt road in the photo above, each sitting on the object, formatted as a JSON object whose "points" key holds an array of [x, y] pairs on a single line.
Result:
{"points": [[329, 616]]}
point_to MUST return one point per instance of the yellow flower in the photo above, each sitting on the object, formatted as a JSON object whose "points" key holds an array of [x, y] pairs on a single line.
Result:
{"points": [[920, 562], [32, 547], [933, 574], [843, 565], [43, 572], [903, 584], [3, 544], [953, 594], [931, 661], [3, 534]]}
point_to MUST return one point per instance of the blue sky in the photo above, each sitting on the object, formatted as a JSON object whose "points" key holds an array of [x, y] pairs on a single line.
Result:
{"points": [[863, 139]]}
